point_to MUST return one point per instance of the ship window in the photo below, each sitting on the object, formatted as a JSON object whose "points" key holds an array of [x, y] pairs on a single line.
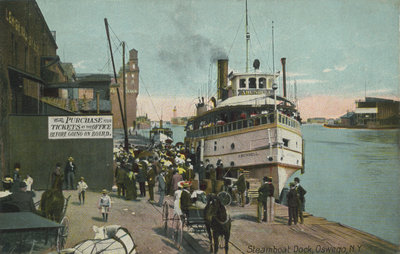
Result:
{"points": [[242, 83], [262, 83], [244, 124], [239, 125], [251, 122], [234, 126], [271, 118], [263, 120], [280, 118], [252, 83], [285, 142]]}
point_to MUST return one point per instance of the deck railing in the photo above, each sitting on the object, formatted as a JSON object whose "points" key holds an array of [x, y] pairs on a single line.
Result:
{"points": [[244, 124]]}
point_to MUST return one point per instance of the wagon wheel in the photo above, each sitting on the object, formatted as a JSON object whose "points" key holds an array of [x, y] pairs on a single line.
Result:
{"points": [[165, 214], [177, 230], [62, 233], [225, 198]]}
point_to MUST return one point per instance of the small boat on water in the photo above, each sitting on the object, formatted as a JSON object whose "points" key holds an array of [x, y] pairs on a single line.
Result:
{"points": [[249, 126], [161, 135], [143, 122]]}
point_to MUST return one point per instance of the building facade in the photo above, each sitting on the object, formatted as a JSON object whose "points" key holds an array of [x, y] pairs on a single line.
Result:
{"points": [[34, 92], [377, 112], [132, 91]]}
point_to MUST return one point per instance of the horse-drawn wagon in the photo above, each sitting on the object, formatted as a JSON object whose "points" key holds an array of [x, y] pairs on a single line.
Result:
{"points": [[213, 219], [230, 194], [28, 232], [34, 232]]}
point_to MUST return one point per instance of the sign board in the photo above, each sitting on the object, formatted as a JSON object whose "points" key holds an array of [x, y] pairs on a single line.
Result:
{"points": [[255, 91], [80, 127]]}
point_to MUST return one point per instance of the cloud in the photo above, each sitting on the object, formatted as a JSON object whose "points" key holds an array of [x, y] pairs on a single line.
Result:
{"points": [[295, 74], [310, 81], [340, 68], [336, 68]]}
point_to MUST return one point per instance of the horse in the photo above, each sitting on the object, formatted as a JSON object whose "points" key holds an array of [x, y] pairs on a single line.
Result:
{"points": [[112, 239], [52, 201], [217, 222]]}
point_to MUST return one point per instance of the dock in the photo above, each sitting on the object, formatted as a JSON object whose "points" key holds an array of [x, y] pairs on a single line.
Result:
{"points": [[144, 222]]}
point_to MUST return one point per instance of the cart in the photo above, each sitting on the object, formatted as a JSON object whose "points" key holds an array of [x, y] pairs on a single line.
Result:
{"points": [[230, 195], [27, 232], [64, 229], [174, 224]]}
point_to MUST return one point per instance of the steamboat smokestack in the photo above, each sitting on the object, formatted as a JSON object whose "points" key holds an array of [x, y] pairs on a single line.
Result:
{"points": [[283, 61], [222, 82]]}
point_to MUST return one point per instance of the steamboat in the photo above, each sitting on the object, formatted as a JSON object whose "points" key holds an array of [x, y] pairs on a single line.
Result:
{"points": [[249, 126]]}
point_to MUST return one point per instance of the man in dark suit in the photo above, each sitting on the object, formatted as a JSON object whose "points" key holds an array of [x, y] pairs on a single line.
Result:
{"points": [[300, 192], [265, 198], [21, 199], [293, 203], [69, 173], [186, 200]]}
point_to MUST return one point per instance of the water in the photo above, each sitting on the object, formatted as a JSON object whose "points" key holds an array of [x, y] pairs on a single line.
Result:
{"points": [[351, 176]]}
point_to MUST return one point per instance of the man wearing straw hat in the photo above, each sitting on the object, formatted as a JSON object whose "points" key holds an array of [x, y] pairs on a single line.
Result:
{"points": [[186, 200]]}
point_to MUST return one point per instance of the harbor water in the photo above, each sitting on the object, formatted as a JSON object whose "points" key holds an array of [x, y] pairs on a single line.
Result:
{"points": [[351, 176]]}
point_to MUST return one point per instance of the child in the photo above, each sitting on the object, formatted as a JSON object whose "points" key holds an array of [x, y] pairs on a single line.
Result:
{"points": [[105, 204], [82, 186], [29, 182]]}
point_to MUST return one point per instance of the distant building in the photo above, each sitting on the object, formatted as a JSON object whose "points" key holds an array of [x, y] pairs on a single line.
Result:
{"points": [[348, 119], [373, 113], [132, 91], [175, 120], [377, 112], [330, 121], [319, 120]]}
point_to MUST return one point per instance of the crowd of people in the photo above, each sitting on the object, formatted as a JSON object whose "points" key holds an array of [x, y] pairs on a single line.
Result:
{"points": [[17, 194], [175, 170]]}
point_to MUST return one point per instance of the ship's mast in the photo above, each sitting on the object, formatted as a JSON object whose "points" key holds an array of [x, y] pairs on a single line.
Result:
{"points": [[274, 85], [273, 52], [247, 40]]}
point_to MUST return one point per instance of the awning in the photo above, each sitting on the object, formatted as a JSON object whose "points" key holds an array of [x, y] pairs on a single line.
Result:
{"points": [[366, 110], [25, 220], [25, 74]]}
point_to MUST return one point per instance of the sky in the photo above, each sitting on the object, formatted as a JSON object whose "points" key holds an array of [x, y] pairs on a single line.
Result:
{"points": [[337, 51]]}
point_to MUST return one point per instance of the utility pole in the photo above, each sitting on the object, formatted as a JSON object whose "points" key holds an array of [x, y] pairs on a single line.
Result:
{"points": [[115, 78], [124, 86], [247, 40]]}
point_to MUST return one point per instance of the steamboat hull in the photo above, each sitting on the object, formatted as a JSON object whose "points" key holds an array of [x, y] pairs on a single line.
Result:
{"points": [[268, 145]]}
